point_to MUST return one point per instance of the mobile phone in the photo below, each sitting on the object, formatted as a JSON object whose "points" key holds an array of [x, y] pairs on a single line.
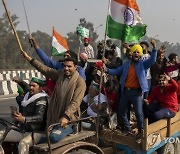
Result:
{"points": [[13, 109]]}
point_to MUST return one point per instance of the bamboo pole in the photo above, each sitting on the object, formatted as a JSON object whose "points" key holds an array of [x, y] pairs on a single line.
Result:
{"points": [[101, 82], [13, 27]]}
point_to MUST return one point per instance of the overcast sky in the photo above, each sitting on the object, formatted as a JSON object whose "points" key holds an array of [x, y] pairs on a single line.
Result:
{"points": [[161, 16]]}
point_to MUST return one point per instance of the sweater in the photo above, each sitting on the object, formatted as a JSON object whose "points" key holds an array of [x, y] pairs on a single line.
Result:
{"points": [[166, 99]]}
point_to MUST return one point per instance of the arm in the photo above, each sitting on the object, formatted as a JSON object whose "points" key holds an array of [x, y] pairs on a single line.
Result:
{"points": [[39, 114], [47, 61], [81, 72], [152, 95], [116, 71], [24, 86], [46, 71], [173, 85], [150, 61], [41, 109]]}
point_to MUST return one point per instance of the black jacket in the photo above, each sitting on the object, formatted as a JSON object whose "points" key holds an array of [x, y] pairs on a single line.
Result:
{"points": [[35, 115]]}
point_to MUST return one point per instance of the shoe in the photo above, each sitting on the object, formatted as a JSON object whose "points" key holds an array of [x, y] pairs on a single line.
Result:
{"points": [[138, 138], [119, 127], [125, 132]]}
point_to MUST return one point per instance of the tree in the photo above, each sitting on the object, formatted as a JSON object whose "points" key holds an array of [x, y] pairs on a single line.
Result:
{"points": [[73, 38], [9, 51]]}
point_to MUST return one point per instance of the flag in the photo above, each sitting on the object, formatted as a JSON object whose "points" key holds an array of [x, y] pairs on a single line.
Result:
{"points": [[59, 44], [82, 31], [124, 21]]}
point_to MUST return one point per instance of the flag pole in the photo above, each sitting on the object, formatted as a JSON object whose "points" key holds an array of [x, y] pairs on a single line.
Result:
{"points": [[13, 27], [101, 82], [26, 19], [52, 37]]}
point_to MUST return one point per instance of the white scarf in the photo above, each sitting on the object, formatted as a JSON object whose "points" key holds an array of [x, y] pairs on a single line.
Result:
{"points": [[27, 101]]}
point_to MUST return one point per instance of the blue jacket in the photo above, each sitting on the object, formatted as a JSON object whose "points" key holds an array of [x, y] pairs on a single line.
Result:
{"points": [[56, 65], [141, 67]]}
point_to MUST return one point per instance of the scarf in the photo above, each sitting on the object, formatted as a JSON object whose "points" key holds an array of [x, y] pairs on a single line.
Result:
{"points": [[61, 99], [27, 101]]}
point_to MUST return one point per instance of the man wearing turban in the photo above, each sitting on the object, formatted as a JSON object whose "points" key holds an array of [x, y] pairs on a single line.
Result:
{"points": [[133, 85]]}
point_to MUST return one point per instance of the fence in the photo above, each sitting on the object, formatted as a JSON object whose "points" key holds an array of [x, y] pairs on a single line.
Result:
{"points": [[7, 86]]}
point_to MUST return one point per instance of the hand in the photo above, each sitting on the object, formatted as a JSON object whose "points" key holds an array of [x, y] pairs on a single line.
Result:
{"points": [[167, 77], [163, 47], [19, 117], [153, 43], [33, 42], [146, 101], [104, 60], [63, 122], [15, 79], [126, 45]]}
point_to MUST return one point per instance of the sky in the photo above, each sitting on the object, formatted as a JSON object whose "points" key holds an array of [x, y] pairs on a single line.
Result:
{"points": [[161, 16]]}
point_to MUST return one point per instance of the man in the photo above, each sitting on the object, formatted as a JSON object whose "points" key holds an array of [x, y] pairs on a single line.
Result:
{"points": [[100, 49], [133, 85], [91, 102], [68, 93], [172, 66], [83, 60], [52, 63], [158, 68], [165, 95], [35, 105], [23, 88], [87, 48]]}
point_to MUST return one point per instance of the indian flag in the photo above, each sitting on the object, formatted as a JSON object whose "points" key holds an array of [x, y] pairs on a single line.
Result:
{"points": [[59, 44], [124, 21]]}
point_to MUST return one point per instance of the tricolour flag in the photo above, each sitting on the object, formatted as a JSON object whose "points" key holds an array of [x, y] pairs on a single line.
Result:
{"points": [[59, 44], [124, 21]]}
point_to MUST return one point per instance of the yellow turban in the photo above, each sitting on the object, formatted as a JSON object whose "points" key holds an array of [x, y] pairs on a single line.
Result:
{"points": [[137, 47]]}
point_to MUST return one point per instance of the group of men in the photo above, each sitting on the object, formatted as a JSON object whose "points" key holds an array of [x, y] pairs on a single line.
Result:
{"points": [[69, 87]]}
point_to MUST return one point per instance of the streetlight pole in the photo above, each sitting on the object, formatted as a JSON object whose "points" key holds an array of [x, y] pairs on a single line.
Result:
{"points": [[98, 27]]}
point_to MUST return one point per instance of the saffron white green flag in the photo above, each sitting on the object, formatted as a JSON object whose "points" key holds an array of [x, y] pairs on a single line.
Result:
{"points": [[124, 21], [82, 31], [59, 44]]}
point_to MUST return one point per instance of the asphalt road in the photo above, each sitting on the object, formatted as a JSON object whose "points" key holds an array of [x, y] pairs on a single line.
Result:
{"points": [[5, 103]]}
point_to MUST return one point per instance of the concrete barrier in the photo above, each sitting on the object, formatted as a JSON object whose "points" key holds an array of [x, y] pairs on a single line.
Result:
{"points": [[7, 86]]}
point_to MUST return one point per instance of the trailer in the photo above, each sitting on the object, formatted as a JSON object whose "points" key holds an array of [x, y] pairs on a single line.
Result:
{"points": [[162, 136]]}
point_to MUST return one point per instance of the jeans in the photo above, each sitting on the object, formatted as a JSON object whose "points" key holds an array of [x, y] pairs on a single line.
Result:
{"points": [[133, 96], [155, 112], [58, 133]]}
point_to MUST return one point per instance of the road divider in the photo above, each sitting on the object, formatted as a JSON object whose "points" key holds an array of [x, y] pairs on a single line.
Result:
{"points": [[7, 86]]}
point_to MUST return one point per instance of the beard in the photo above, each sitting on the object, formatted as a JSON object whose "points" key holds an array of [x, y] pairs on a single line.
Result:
{"points": [[85, 44]]}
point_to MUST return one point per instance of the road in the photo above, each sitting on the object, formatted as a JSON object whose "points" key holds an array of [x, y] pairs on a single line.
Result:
{"points": [[5, 102]]}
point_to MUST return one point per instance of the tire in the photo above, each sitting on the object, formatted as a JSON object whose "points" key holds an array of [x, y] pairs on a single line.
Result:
{"points": [[81, 151], [1, 150], [167, 149]]}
